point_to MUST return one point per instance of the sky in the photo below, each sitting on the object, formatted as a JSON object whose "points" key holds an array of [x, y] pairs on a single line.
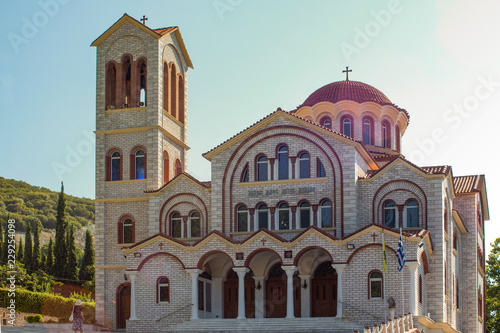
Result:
{"points": [[437, 59]]}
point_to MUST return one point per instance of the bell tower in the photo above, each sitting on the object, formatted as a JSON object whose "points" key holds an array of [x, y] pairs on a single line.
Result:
{"points": [[141, 136]]}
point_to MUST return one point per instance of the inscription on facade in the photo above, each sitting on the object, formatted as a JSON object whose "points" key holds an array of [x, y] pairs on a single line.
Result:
{"points": [[285, 191]]}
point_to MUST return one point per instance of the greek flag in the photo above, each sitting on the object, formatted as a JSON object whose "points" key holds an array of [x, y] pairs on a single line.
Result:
{"points": [[400, 254]]}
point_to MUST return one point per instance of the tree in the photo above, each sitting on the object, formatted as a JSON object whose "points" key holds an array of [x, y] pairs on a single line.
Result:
{"points": [[60, 251], [1, 242], [87, 268], [493, 289], [28, 248], [35, 262], [20, 251], [5, 245], [50, 258], [72, 263]]}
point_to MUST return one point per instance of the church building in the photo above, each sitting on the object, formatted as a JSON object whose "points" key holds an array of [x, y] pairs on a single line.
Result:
{"points": [[292, 225]]}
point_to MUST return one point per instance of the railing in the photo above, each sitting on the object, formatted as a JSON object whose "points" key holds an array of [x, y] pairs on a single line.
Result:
{"points": [[360, 310], [174, 312], [398, 325]]}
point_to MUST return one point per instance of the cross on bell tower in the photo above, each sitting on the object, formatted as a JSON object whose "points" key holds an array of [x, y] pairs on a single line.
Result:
{"points": [[346, 71], [144, 19]]}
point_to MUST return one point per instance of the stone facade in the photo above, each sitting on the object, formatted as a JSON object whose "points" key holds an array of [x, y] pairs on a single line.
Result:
{"points": [[291, 223]]}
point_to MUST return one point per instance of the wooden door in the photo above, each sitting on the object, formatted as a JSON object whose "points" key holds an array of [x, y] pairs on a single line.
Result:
{"points": [[324, 291], [275, 302], [231, 295], [296, 296], [123, 306], [249, 296]]}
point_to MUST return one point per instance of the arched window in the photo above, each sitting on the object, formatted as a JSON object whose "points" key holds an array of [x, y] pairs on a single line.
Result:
{"points": [[326, 122], [165, 86], [194, 225], [346, 125], [479, 303], [127, 81], [181, 99], [386, 134], [163, 290], [126, 231], [262, 167], [177, 225], [140, 164], [173, 90], [166, 167], [283, 162], [111, 85], [390, 216], [367, 131], [420, 288], [262, 216], [411, 214], [114, 166], [178, 167], [320, 172], [142, 70], [375, 283], [283, 217], [242, 218], [457, 294], [244, 175], [304, 215], [455, 239], [325, 214], [304, 166], [445, 220], [398, 139]]}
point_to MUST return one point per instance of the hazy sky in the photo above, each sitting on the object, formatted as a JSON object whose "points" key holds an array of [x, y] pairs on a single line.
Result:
{"points": [[437, 59]]}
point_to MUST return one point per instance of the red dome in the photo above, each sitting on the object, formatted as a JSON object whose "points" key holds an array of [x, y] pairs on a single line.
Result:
{"points": [[347, 90]]}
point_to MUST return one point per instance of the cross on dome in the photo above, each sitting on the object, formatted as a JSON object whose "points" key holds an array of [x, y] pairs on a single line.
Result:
{"points": [[346, 71]]}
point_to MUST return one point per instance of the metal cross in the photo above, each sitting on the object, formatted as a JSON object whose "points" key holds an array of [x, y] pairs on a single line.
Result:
{"points": [[161, 246], [374, 236], [144, 19], [347, 70], [263, 240]]}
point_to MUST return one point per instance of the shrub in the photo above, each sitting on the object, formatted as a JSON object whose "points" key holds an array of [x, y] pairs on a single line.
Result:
{"points": [[34, 319]]}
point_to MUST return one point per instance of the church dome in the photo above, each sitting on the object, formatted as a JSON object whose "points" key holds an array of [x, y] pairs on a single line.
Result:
{"points": [[347, 90]]}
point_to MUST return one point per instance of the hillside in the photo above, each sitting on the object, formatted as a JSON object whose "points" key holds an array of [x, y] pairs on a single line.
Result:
{"points": [[28, 203]]}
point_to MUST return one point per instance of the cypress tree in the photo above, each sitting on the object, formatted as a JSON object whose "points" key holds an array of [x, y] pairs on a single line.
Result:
{"points": [[60, 250], [20, 251], [5, 245], [28, 248], [87, 268], [35, 262], [72, 263], [43, 261], [1, 242], [50, 258]]}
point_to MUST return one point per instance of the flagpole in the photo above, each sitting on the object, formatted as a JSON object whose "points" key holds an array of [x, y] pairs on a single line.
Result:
{"points": [[402, 280], [384, 269]]}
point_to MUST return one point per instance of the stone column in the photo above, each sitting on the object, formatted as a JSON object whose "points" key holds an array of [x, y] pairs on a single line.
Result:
{"points": [[218, 300], [340, 269], [293, 159], [289, 270], [241, 271], [251, 212], [315, 216], [271, 163], [305, 295], [194, 291], [259, 296], [412, 266], [132, 275]]}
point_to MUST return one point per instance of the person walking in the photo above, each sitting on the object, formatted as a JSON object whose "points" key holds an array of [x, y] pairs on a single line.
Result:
{"points": [[78, 316]]}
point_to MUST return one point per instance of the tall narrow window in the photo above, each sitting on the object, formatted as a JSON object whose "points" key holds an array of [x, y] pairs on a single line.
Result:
{"points": [[320, 172], [326, 122], [178, 167], [177, 225], [346, 126], [181, 99], [390, 216], [283, 162], [142, 82], [411, 214], [304, 166], [398, 139], [367, 131], [163, 291], [326, 214], [242, 218], [244, 175], [127, 81], [420, 289], [166, 167], [173, 91], [128, 231], [165, 86], [116, 166], [375, 279], [386, 134], [111, 85], [140, 164], [304, 215], [283, 216], [263, 216], [194, 225], [262, 167]]}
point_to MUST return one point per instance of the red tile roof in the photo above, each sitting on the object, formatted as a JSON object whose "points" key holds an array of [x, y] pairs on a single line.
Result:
{"points": [[468, 184], [441, 169], [165, 31], [206, 184], [432, 170]]}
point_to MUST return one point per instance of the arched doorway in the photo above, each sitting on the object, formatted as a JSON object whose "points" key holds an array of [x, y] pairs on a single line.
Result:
{"points": [[276, 293], [122, 305], [231, 295], [324, 291]]}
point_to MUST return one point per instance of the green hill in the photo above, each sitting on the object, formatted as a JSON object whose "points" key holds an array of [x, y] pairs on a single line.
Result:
{"points": [[28, 204]]}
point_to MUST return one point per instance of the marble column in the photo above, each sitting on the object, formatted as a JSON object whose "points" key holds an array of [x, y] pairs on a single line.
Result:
{"points": [[289, 270], [412, 266], [305, 295], [241, 271], [132, 276], [340, 269], [194, 291], [259, 296]]}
